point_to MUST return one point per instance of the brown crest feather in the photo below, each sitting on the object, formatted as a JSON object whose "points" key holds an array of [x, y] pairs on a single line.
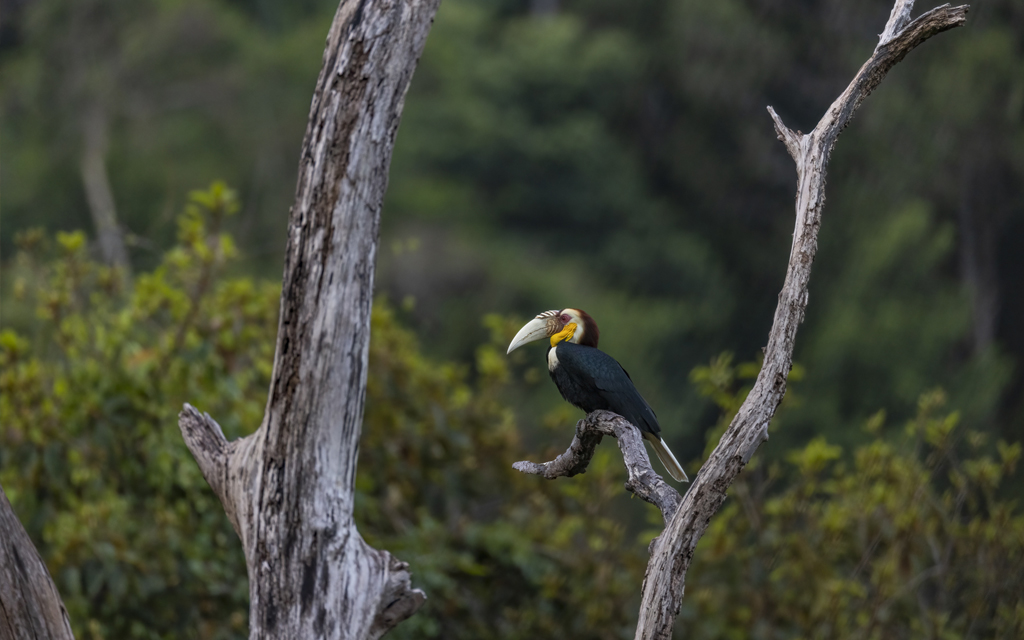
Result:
{"points": [[591, 334]]}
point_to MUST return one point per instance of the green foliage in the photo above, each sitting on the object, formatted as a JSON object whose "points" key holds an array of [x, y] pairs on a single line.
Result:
{"points": [[611, 156], [499, 554], [860, 334], [91, 458], [614, 156], [899, 538], [718, 382], [89, 453], [186, 89], [620, 159], [893, 539]]}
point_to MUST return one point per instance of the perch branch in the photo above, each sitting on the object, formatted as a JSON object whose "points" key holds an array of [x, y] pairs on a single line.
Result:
{"points": [[673, 550], [576, 458], [642, 480]]}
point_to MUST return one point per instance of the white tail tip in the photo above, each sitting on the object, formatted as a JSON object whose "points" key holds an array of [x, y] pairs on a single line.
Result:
{"points": [[667, 459]]}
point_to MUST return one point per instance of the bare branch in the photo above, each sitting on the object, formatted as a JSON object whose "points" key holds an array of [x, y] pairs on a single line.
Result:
{"points": [[205, 439], [398, 599], [642, 481], [673, 550], [898, 18], [576, 458], [790, 138], [884, 58]]}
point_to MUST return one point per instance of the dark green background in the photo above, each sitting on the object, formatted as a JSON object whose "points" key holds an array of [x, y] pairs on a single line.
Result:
{"points": [[612, 156]]}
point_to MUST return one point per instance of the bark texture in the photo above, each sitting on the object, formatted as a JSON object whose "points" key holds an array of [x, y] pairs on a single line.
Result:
{"points": [[288, 488], [642, 480], [672, 552], [30, 607]]}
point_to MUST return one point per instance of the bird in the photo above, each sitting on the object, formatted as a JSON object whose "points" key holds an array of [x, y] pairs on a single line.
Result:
{"points": [[592, 380]]}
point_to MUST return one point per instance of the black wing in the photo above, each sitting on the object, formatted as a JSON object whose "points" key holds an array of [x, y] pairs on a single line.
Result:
{"points": [[591, 379]]}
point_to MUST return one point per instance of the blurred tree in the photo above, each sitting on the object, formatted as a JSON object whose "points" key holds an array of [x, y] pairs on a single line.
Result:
{"points": [[106, 102], [968, 127], [136, 543]]}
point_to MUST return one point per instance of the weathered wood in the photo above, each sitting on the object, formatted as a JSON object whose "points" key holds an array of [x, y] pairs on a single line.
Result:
{"points": [[642, 479], [898, 18], [672, 551], [289, 487], [30, 607]]}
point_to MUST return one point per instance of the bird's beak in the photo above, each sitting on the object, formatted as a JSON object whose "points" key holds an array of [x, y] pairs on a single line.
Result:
{"points": [[536, 329]]}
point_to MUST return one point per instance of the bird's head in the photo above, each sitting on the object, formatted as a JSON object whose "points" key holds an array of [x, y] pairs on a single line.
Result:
{"points": [[567, 325]]}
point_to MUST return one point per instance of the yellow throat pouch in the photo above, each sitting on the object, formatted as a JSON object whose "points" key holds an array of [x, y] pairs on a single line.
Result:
{"points": [[564, 334]]}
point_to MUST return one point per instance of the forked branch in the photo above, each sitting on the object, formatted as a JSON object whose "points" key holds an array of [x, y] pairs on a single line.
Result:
{"points": [[672, 551]]}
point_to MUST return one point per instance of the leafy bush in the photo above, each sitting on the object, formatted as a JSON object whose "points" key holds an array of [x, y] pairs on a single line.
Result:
{"points": [[91, 457], [92, 460], [895, 539]]}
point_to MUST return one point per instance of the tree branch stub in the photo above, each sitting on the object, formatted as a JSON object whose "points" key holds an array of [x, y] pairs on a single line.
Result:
{"points": [[790, 138]]}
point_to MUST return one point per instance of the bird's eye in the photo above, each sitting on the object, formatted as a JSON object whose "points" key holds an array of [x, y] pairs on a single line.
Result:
{"points": [[565, 318]]}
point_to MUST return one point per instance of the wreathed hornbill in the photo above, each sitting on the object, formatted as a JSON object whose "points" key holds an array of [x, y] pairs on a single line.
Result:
{"points": [[591, 379]]}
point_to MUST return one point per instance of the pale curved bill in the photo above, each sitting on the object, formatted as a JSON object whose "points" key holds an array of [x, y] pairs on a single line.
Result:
{"points": [[535, 329]]}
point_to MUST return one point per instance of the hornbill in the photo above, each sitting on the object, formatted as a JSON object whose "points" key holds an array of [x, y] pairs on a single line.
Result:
{"points": [[591, 379]]}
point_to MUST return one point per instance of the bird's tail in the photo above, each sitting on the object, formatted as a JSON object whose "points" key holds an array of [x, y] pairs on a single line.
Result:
{"points": [[667, 459]]}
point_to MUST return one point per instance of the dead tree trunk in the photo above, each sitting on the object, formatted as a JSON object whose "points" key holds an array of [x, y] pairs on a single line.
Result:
{"points": [[672, 551], [288, 488], [30, 607]]}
